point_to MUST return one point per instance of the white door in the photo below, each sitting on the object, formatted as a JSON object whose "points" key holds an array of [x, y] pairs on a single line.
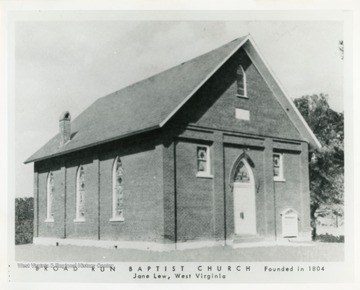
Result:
{"points": [[244, 200]]}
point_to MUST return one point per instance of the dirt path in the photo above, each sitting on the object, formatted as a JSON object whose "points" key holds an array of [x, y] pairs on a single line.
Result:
{"points": [[316, 252]]}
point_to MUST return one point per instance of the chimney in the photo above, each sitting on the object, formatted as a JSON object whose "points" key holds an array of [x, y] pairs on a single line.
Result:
{"points": [[65, 127]]}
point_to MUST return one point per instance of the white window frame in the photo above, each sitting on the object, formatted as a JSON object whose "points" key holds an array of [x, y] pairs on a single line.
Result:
{"points": [[207, 172], [115, 218], [78, 217], [245, 95], [49, 200], [280, 177]]}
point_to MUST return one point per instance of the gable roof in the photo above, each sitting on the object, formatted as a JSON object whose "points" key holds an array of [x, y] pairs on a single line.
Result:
{"points": [[150, 103]]}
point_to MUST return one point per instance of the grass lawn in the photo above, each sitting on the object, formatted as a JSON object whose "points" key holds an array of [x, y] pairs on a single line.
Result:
{"points": [[316, 251]]}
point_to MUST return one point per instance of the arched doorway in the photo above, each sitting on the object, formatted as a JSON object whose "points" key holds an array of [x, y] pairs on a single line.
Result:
{"points": [[244, 199]]}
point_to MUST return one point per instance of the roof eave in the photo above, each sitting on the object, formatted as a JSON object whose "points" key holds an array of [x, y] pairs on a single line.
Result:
{"points": [[275, 83], [30, 159]]}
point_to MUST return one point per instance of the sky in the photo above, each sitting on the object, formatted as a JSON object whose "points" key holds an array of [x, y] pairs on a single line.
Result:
{"points": [[67, 65]]}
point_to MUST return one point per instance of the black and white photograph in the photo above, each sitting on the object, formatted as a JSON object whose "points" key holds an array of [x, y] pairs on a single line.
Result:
{"points": [[160, 147]]}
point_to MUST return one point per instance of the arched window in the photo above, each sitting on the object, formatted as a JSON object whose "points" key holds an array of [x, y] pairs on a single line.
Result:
{"points": [[50, 197], [80, 194], [118, 191], [242, 173], [241, 82]]}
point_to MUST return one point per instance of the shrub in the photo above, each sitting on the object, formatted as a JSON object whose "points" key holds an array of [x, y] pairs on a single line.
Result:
{"points": [[24, 220], [327, 238]]}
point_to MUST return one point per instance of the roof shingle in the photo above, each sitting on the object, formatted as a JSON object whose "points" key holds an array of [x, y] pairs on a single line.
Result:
{"points": [[140, 107]]}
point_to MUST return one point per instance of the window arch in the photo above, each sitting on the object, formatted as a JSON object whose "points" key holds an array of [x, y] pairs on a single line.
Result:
{"points": [[242, 173], [49, 197], [241, 82], [80, 194], [118, 191]]}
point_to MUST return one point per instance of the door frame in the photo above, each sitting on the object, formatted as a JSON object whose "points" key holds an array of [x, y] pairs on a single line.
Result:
{"points": [[246, 160]]}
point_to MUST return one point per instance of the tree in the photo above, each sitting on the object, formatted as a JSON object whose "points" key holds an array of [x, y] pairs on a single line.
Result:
{"points": [[24, 219], [326, 165]]}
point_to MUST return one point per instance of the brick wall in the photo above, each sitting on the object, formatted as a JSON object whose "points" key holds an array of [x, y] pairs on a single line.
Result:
{"points": [[287, 194], [164, 199], [169, 187], [195, 196], [143, 192], [88, 228], [51, 229], [213, 106], [201, 208], [305, 192]]}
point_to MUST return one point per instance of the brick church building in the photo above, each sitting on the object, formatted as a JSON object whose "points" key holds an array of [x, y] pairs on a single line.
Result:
{"points": [[210, 151]]}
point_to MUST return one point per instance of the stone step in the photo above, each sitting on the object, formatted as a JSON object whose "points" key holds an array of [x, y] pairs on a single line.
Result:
{"points": [[247, 239]]}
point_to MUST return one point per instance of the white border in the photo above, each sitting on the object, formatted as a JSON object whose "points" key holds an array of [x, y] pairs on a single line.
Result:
{"points": [[351, 107]]}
